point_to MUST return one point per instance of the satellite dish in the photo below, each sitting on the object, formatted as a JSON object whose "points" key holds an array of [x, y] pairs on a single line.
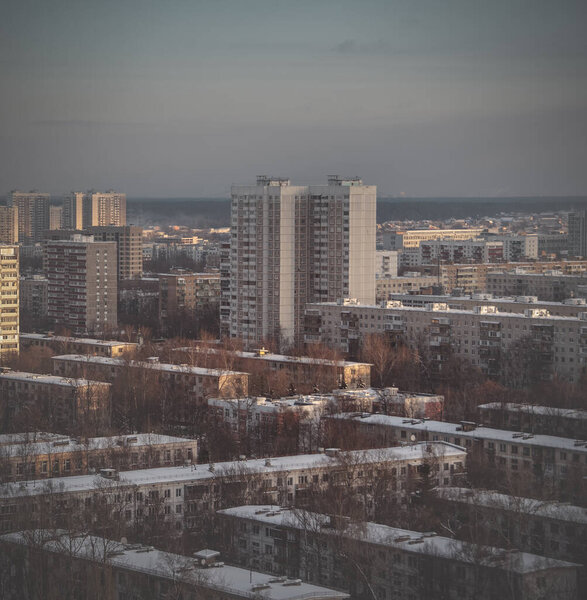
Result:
{"points": [[413, 437]]}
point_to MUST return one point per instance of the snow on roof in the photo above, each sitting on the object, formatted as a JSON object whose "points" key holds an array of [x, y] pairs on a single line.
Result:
{"points": [[549, 411], [73, 340], [119, 362], [193, 474], [61, 443], [49, 379], [269, 356], [403, 539], [134, 557], [455, 430], [8, 439], [517, 504], [444, 311]]}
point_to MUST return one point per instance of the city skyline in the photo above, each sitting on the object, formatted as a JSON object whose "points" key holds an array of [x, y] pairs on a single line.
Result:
{"points": [[165, 100]]}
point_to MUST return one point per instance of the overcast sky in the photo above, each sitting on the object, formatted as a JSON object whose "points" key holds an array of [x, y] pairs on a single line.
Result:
{"points": [[184, 97]]}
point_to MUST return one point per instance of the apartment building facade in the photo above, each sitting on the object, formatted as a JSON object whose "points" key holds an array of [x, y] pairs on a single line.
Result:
{"points": [[189, 386], [104, 569], [9, 300], [129, 247], [297, 371], [552, 286], [482, 336], [532, 418], [33, 214], [578, 233], [61, 456], [555, 462], [412, 238], [9, 225], [294, 244], [82, 291], [460, 251], [182, 498], [370, 558], [62, 402], [33, 295], [186, 293], [60, 344], [103, 209], [554, 529]]}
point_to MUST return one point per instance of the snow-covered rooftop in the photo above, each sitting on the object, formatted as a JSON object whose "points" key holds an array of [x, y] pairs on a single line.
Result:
{"points": [[73, 340], [403, 539], [155, 365], [456, 430], [152, 562], [49, 379], [60, 443], [197, 473], [549, 411], [517, 504]]}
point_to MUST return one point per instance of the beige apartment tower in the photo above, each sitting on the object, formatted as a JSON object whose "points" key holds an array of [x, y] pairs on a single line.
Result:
{"points": [[33, 214], [8, 225], [82, 290], [293, 244], [8, 300], [129, 245], [103, 209]]}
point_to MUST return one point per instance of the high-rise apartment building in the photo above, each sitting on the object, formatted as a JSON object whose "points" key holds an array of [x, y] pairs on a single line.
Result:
{"points": [[294, 244], [33, 214], [55, 217], [102, 209], [129, 244], [73, 210], [578, 233], [8, 300], [8, 225], [82, 291]]}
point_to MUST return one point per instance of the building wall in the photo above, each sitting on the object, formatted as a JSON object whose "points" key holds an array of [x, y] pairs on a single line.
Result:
{"points": [[291, 244], [9, 300], [104, 209], [82, 292], [33, 214], [9, 224]]}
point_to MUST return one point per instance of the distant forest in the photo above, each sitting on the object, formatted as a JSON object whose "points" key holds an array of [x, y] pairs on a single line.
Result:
{"points": [[209, 212]]}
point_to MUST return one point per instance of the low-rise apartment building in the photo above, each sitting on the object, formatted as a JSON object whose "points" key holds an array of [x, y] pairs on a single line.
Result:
{"points": [[178, 498], [553, 462], [532, 418], [545, 527], [190, 386], [60, 344], [386, 287], [370, 559], [456, 251], [570, 307], [63, 403], [299, 372], [105, 569], [483, 336], [553, 285], [32, 456], [412, 238]]}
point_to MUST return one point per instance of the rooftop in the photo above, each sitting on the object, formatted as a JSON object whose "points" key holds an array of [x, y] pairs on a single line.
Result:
{"points": [[517, 504], [145, 559], [403, 539], [193, 474], [263, 354], [73, 340], [120, 362], [63, 443], [456, 430], [549, 411], [49, 379]]}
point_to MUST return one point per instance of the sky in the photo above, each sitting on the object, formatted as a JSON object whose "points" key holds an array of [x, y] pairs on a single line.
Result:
{"points": [[182, 98]]}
